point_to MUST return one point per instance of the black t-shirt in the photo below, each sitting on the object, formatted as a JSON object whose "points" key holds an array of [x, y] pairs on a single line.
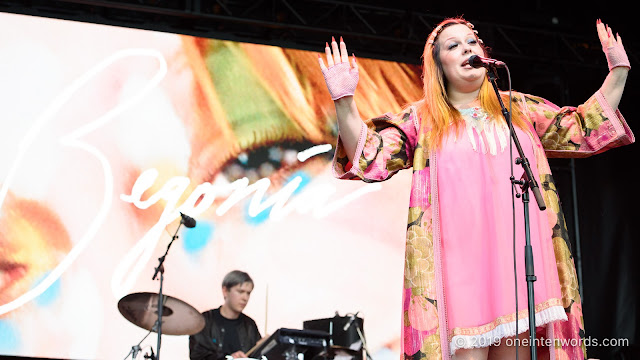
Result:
{"points": [[230, 337], [209, 343]]}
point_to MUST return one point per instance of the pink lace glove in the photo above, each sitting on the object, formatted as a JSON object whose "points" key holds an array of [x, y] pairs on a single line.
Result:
{"points": [[341, 78], [612, 47]]}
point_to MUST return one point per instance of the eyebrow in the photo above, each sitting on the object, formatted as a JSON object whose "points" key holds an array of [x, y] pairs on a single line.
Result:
{"points": [[452, 37]]}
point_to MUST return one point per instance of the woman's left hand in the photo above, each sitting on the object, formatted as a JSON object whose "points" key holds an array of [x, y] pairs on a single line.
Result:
{"points": [[613, 85], [612, 47]]}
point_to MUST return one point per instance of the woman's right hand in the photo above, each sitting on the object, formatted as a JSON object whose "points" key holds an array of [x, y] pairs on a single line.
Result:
{"points": [[341, 78]]}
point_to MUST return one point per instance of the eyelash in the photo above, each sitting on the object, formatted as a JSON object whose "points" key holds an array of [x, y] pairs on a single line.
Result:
{"points": [[270, 158], [471, 41]]}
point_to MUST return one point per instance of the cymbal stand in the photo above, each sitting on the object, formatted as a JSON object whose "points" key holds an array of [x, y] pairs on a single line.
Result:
{"points": [[135, 349]]}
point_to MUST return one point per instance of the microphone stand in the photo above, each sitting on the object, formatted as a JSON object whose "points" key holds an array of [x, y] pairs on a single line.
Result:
{"points": [[527, 182], [160, 270]]}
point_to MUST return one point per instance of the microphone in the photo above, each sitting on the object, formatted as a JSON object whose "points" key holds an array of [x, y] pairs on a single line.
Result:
{"points": [[187, 221], [348, 324], [479, 61]]}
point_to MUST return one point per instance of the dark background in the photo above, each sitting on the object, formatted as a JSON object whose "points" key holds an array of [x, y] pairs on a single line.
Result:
{"points": [[552, 50]]}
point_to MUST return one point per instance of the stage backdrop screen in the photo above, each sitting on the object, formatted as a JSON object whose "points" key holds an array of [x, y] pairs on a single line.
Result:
{"points": [[108, 134]]}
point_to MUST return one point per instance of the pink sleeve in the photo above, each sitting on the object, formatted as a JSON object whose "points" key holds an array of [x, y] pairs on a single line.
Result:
{"points": [[582, 131], [385, 147]]}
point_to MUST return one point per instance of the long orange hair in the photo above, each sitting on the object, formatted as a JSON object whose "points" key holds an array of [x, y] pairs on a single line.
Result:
{"points": [[436, 112]]}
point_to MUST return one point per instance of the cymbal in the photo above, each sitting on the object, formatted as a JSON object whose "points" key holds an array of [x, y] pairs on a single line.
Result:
{"points": [[178, 317]]}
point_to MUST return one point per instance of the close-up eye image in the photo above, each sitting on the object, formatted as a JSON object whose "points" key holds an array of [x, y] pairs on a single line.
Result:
{"points": [[317, 180]]}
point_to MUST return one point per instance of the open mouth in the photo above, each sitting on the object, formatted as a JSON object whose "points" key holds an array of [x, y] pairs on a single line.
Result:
{"points": [[10, 273]]}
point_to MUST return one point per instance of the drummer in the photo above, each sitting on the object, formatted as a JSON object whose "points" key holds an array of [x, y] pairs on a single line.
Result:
{"points": [[227, 330]]}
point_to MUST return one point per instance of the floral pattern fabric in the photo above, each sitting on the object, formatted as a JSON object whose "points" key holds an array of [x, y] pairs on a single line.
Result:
{"points": [[391, 143]]}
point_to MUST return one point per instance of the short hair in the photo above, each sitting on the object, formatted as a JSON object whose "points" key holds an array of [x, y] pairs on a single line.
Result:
{"points": [[236, 277]]}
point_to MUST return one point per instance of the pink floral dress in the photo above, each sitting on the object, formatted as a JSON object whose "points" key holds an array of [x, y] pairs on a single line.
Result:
{"points": [[441, 294], [477, 218]]}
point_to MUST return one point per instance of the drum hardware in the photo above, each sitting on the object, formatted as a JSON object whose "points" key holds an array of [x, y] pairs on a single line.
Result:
{"points": [[135, 349], [178, 317], [291, 344], [154, 311], [346, 335]]}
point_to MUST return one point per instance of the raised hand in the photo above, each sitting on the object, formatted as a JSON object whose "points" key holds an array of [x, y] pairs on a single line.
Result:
{"points": [[612, 46], [341, 78]]}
